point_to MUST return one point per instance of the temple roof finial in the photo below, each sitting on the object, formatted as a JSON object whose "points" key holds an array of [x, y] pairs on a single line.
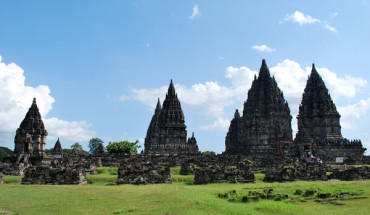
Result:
{"points": [[264, 71], [236, 114], [171, 89]]}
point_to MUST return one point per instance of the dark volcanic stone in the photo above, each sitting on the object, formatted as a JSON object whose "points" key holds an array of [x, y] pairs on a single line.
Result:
{"points": [[266, 120], [167, 130]]}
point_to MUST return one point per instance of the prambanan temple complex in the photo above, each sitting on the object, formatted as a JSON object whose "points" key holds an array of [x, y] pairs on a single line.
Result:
{"points": [[259, 138]]}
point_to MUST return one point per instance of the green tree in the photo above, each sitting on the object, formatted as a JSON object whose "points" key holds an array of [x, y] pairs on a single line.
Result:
{"points": [[123, 147], [94, 144], [4, 152], [209, 153], [77, 146]]}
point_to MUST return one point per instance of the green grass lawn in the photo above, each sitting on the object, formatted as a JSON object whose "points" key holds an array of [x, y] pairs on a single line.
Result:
{"points": [[101, 196]]}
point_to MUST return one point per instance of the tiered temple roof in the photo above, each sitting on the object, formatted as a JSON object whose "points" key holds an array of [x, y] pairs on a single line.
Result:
{"points": [[266, 119], [167, 130], [318, 114], [31, 134]]}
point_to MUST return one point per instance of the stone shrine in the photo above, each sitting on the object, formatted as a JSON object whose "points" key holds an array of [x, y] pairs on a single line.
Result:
{"points": [[266, 120], [31, 134], [319, 130], [167, 130], [57, 150]]}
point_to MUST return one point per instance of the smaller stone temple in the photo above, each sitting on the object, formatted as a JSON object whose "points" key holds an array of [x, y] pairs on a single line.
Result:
{"points": [[31, 134], [319, 130], [167, 130], [57, 150]]}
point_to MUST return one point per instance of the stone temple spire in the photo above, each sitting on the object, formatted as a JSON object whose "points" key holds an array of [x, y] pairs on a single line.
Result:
{"points": [[152, 133], [233, 140], [31, 134], [171, 114], [167, 130], [266, 119], [318, 114], [57, 150]]}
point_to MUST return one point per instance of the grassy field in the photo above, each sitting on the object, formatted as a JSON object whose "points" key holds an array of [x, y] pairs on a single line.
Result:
{"points": [[102, 196]]}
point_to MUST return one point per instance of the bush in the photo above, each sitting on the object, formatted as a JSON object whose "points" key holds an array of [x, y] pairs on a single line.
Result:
{"points": [[123, 147]]}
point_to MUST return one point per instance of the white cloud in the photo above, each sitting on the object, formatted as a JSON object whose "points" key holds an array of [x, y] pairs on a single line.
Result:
{"points": [[70, 131], [213, 98], [196, 13], [219, 124], [148, 45], [351, 113], [16, 98], [302, 19], [263, 48]]}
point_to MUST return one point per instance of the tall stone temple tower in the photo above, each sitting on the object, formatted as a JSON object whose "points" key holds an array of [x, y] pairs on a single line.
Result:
{"points": [[31, 134], [167, 130], [319, 129], [266, 122], [318, 115]]}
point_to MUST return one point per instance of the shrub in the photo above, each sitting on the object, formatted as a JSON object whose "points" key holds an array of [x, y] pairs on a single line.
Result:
{"points": [[123, 147]]}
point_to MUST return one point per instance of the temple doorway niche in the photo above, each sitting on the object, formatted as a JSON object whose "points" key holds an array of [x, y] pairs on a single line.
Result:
{"points": [[306, 148], [26, 147]]}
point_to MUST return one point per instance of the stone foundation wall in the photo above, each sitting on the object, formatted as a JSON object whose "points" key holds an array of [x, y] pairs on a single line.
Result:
{"points": [[222, 174], [50, 175], [142, 170], [360, 173], [305, 172]]}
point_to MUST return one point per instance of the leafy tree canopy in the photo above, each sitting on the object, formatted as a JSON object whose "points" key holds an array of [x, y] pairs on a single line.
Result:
{"points": [[77, 146], [94, 144], [4, 152], [123, 147]]}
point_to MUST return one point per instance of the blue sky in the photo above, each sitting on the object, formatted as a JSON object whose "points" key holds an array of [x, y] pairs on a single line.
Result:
{"points": [[97, 67]]}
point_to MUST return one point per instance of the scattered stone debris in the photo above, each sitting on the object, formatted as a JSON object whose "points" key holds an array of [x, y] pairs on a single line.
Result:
{"points": [[308, 195]]}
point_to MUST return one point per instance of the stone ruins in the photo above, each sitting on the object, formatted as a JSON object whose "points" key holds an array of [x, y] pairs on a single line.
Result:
{"points": [[31, 134], [167, 130], [258, 141], [265, 131], [266, 120], [142, 170]]}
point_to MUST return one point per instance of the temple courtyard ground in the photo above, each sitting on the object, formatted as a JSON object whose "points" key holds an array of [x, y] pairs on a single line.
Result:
{"points": [[102, 196]]}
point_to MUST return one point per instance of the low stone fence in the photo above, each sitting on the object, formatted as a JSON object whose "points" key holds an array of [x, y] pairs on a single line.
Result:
{"points": [[310, 172], [50, 175], [360, 173], [141, 170]]}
